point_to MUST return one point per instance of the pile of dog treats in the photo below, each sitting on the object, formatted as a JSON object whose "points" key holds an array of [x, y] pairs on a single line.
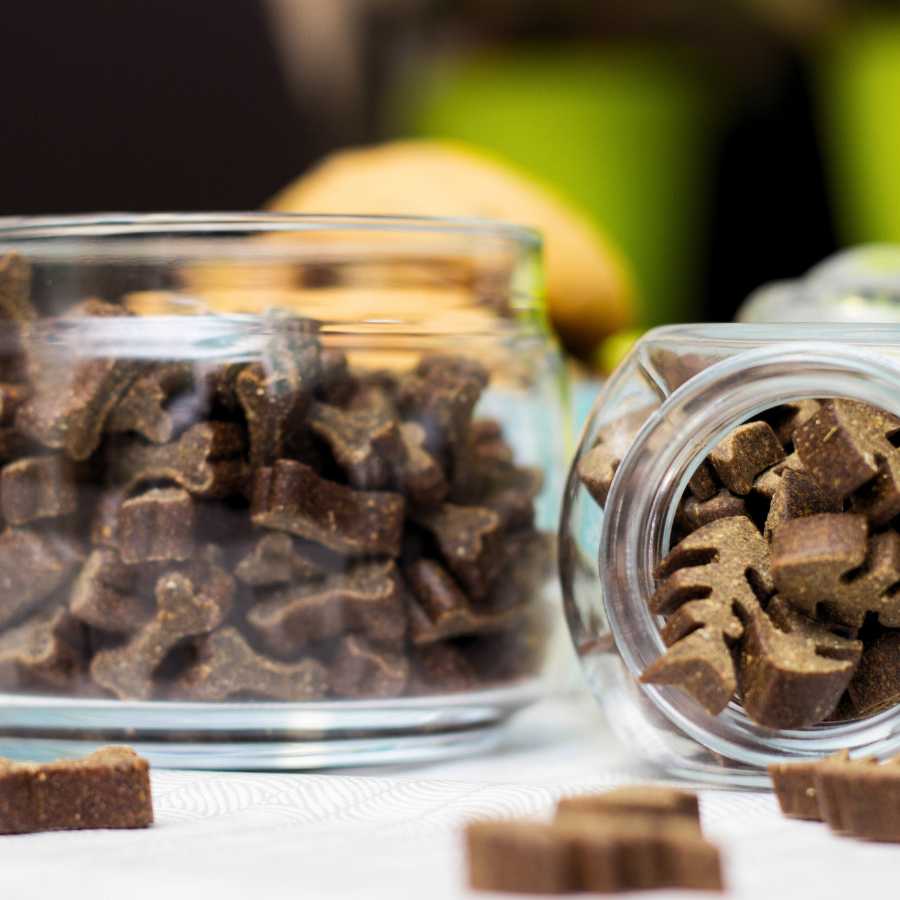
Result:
{"points": [[782, 589], [628, 839], [287, 528], [855, 797]]}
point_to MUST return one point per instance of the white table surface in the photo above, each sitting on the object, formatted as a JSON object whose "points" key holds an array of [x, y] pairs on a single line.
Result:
{"points": [[396, 833]]}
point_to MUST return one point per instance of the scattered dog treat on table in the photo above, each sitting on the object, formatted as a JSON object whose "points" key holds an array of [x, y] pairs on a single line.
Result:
{"points": [[631, 839], [290, 527], [782, 589], [108, 789]]}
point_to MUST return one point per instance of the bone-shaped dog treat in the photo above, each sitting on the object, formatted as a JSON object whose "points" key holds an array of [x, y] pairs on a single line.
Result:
{"points": [[828, 562], [45, 649], [276, 392], [441, 668], [703, 484], [32, 566], [368, 598], [336, 383], [227, 666], [440, 610], [796, 495], [185, 607], [143, 407], [713, 564], [876, 684], [108, 789], [291, 497], [598, 466], [743, 454], [156, 526], [469, 538], [508, 490], [354, 434], [37, 487], [205, 460], [647, 800], [275, 559], [792, 679], [104, 594], [675, 369], [787, 417], [846, 446], [72, 400], [695, 513], [440, 394], [414, 471], [360, 669]]}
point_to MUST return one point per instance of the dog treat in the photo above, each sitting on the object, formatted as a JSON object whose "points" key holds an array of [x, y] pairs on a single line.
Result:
{"points": [[827, 563], [156, 526], [598, 467], [105, 594], [627, 801], [227, 666], [143, 408], [696, 513], [796, 495], [631, 852], [846, 446], [795, 786], [354, 436], [205, 460], [32, 566], [37, 487], [876, 684], [792, 679], [108, 789], [675, 369], [469, 538], [440, 610], [360, 669], [44, 650], [747, 451], [367, 599], [185, 607], [290, 497], [276, 559], [440, 394], [243, 524]]}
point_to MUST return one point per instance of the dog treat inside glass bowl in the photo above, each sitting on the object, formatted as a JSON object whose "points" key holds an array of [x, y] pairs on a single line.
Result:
{"points": [[244, 506]]}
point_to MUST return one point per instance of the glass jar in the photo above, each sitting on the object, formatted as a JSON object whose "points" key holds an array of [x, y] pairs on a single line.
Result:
{"points": [[681, 391], [278, 491]]}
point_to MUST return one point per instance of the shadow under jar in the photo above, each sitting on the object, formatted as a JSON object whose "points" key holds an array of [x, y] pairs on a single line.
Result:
{"points": [[277, 491], [730, 547]]}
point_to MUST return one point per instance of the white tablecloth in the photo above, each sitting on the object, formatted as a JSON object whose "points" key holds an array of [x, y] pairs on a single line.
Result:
{"points": [[396, 833]]}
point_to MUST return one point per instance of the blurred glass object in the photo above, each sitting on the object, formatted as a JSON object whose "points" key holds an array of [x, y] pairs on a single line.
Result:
{"points": [[857, 285]]}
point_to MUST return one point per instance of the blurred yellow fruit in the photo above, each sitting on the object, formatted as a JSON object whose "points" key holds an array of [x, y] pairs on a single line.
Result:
{"points": [[614, 349], [588, 285]]}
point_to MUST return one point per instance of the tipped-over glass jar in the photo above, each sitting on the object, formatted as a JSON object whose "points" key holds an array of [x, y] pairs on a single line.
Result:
{"points": [[729, 546], [277, 491]]}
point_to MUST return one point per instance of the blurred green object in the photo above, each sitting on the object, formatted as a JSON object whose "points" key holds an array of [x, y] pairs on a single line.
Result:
{"points": [[860, 100], [614, 349], [623, 134]]}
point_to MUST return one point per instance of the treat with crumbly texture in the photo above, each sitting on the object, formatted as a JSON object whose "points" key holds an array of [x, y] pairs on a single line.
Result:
{"points": [[108, 789]]}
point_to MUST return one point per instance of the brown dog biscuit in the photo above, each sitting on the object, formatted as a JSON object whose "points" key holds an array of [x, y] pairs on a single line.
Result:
{"points": [[876, 684], [291, 497], [227, 666], [797, 495], [108, 789], [695, 513], [277, 559], [743, 454], [37, 487], [44, 650], [143, 408], [362, 669], [105, 596], [648, 800], [156, 526], [828, 563]]}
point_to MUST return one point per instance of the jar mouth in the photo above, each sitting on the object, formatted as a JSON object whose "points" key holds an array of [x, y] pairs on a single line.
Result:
{"points": [[115, 224], [641, 508]]}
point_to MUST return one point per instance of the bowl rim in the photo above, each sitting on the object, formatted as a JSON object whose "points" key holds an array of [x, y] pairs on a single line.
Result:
{"points": [[108, 224]]}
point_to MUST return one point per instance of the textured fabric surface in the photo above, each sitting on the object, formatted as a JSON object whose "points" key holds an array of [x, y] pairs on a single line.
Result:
{"points": [[395, 833]]}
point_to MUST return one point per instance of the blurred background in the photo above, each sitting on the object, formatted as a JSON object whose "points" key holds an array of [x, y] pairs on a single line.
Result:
{"points": [[720, 145]]}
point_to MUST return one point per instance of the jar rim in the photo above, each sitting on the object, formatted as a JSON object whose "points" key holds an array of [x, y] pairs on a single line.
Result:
{"points": [[109, 224]]}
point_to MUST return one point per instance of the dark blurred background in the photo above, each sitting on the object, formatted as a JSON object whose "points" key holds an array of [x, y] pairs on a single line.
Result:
{"points": [[722, 144]]}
